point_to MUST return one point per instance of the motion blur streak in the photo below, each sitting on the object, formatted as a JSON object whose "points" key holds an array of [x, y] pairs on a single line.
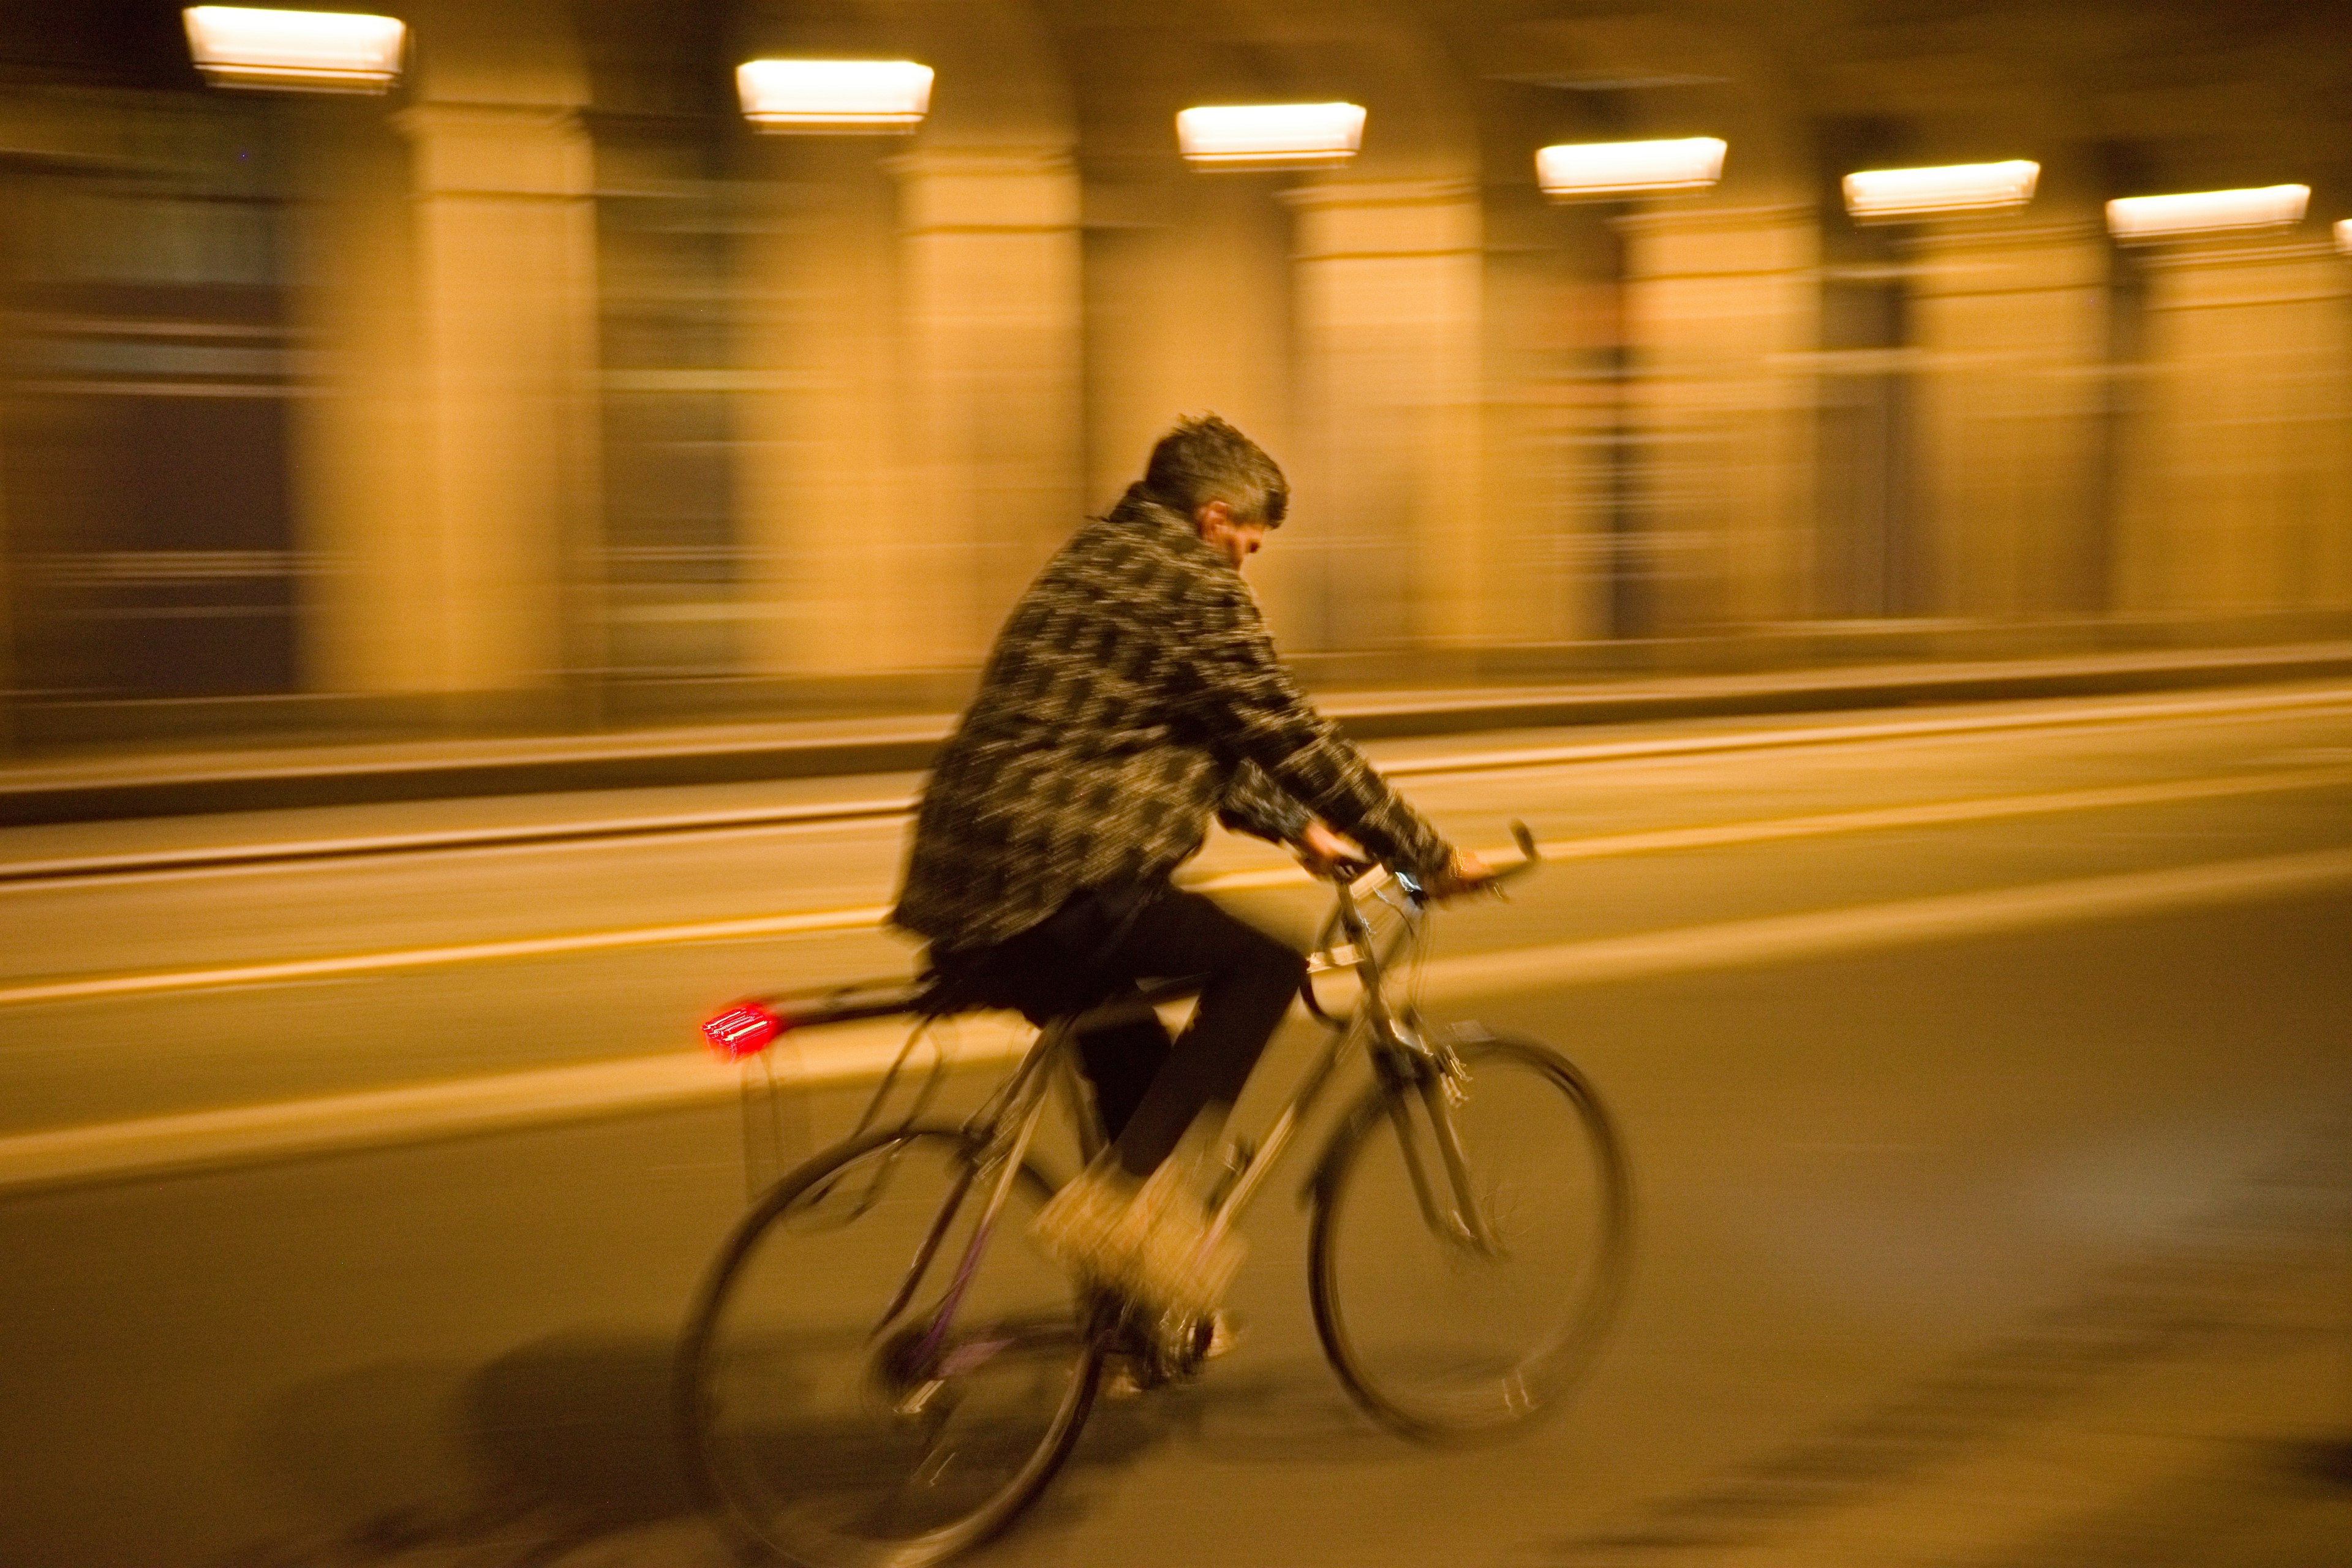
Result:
{"points": [[547, 392], [1937, 814], [433, 957], [485, 555], [469, 1107], [212, 1140], [1895, 1091]]}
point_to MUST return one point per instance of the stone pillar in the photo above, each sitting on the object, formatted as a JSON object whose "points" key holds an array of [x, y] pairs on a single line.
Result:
{"points": [[8, 679], [1388, 318], [495, 591], [1551, 327], [445, 471], [823, 511], [446, 468], [1722, 317], [2238, 477], [356, 443], [990, 315], [1188, 310], [2010, 325]]}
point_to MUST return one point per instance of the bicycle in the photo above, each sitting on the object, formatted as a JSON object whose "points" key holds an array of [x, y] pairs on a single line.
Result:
{"points": [[832, 1432]]}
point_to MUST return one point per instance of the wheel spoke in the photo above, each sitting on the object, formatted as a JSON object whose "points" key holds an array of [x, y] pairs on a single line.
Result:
{"points": [[826, 1440]]}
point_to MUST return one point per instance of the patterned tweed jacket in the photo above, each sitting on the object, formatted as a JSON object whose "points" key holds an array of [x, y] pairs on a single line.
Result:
{"points": [[1132, 692]]}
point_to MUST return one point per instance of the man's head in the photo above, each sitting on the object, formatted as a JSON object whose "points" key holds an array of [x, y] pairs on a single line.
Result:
{"points": [[1222, 480]]}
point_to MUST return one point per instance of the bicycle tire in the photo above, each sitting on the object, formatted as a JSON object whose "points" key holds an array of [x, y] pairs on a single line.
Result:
{"points": [[1405, 1324], [791, 1401]]}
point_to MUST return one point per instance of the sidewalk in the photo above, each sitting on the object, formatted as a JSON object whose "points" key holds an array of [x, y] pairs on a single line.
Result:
{"points": [[184, 782]]}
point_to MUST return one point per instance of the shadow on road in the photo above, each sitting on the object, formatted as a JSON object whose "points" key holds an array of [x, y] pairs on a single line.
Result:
{"points": [[569, 1440], [556, 1442], [583, 1422]]}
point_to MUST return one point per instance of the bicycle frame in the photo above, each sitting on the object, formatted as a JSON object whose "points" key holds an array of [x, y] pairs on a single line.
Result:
{"points": [[1000, 1355], [1390, 1038], [1005, 1126]]}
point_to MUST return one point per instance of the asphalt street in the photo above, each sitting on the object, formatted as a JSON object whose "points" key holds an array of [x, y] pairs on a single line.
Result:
{"points": [[1984, 1073]]}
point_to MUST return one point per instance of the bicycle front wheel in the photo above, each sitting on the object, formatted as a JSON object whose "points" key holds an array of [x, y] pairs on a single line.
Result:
{"points": [[1448, 1326], [824, 1431]]}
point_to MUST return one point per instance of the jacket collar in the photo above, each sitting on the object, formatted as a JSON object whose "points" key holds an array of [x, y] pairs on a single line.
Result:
{"points": [[1139, 510]]}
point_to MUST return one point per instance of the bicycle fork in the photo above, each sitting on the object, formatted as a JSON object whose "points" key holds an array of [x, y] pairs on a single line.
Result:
{"points": [[1401, 1056], [1438, 1077]]}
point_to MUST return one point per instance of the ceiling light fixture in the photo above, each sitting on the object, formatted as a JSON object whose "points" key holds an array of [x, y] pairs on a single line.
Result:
{"points": [[1581, 169], [835, 97], [295, 51], [1270, 135], [1882, 194], [2206, 212]]}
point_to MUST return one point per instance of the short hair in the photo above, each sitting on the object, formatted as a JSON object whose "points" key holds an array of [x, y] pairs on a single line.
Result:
{"points": [[1204, 459]]}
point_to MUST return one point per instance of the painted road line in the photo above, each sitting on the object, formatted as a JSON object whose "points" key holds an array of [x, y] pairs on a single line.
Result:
{"points": [[1937, 814], [243, 1135], [817, 922], [1876, 819], [252, 1135], [215, 859], [2255, 705], [206, 857], [1908, 922]]}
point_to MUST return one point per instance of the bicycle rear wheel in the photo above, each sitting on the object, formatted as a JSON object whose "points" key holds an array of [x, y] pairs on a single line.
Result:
{"points": [[1435, 1336], [826, 1435]]}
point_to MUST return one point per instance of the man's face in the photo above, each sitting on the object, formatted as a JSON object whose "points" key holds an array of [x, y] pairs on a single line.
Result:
{"points": [[1233, 538]]}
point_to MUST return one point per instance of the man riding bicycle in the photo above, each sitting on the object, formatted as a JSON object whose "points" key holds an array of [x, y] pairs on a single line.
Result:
{"points": [[1132, 692]]}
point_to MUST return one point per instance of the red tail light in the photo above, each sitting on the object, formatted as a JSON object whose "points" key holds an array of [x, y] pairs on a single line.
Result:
{"points": [[741, 1031]]}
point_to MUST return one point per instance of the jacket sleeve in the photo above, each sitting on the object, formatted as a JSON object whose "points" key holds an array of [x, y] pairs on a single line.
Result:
{"points": [[1240, 695], [1253, 803]]}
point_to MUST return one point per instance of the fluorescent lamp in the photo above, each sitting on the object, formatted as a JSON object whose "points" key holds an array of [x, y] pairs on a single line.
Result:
{"points": [[1270, 135], [1581, 169], [300, 51], [2206, 212], [834, 96], [1954, 188]]}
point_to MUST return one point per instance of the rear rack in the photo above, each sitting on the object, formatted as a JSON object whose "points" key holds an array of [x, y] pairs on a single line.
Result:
{"points": [[886, 998]]}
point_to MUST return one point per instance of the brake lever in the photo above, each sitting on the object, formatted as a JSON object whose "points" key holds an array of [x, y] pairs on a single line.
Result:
{"points": [[1530, 856]]}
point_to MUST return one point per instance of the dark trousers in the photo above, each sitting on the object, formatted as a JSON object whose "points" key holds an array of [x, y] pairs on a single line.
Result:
{"points": [[1094, 949]]}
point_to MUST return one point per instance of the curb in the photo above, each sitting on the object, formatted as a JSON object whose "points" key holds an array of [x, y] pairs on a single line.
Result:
{"points": [[375, 775]]}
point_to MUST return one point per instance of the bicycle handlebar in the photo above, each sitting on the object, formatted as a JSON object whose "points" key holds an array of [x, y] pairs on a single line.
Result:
{"points": [[1348, 873], [746, 1028]]}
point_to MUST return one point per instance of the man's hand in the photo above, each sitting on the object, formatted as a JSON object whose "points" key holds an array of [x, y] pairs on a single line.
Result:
{"points": [[1465, 873], [1326, 852]]}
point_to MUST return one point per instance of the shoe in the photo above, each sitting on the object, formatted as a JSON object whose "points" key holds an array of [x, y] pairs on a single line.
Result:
{"points": [[1125, 1377], [1150, 1241], [1174, 1263], [1082, 1227]]}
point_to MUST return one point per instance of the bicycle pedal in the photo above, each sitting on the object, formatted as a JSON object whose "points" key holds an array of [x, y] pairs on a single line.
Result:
{"points": [[1128, 1375], [916, 1401], [1124, 1380]]}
